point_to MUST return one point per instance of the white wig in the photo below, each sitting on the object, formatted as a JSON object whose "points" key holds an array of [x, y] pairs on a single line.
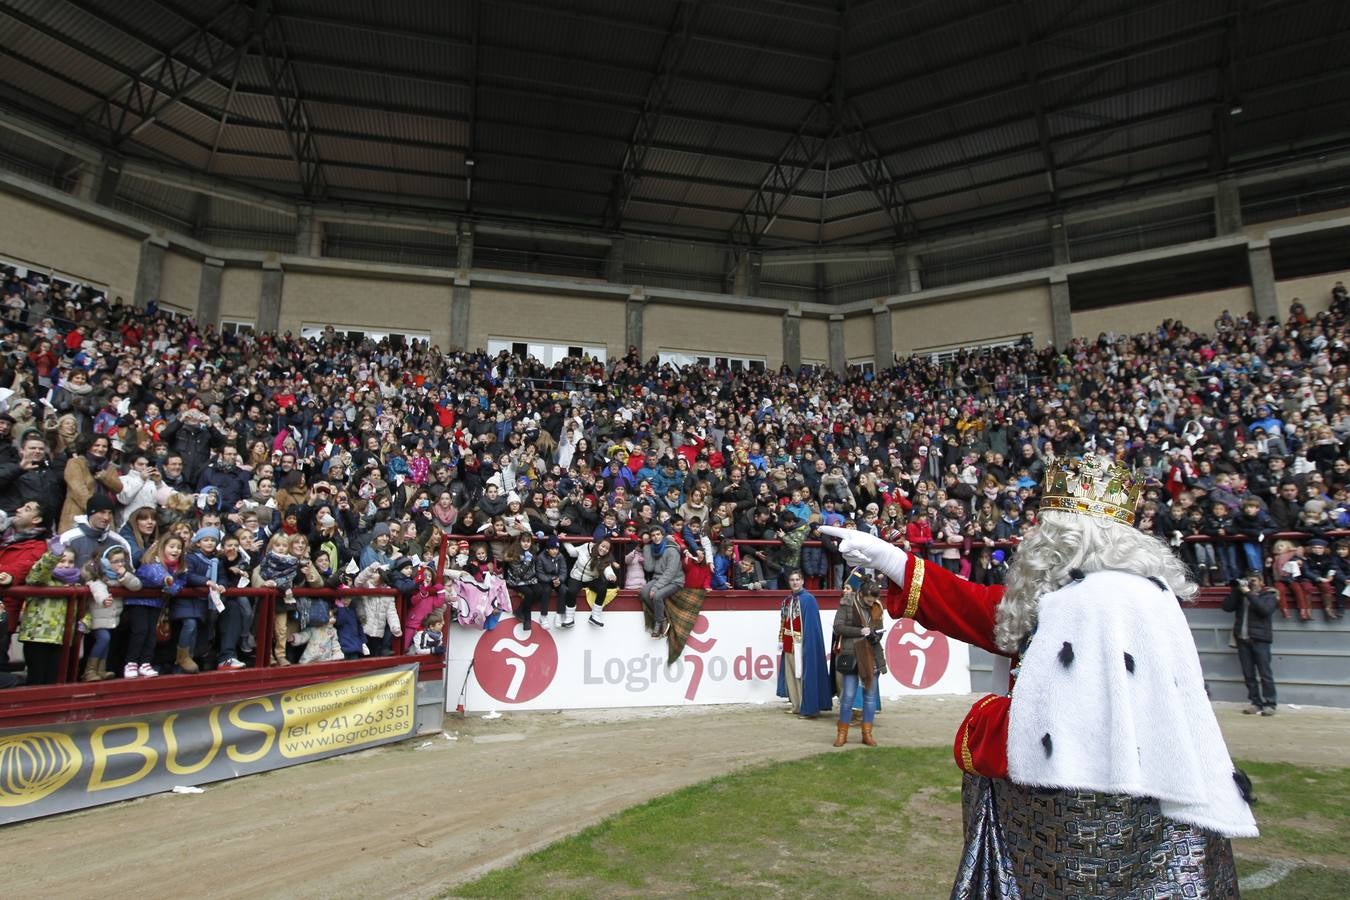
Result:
{"points": [[1063, 542]]}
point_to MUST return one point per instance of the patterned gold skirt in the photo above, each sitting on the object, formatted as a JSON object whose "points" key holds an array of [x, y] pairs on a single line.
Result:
{"points": [[1027, 842]]}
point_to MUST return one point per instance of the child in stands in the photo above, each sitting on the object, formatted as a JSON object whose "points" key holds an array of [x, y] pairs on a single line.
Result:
{"points": [[201, 570], [111, 569], [430, 638], [158, 574], [42, 620], [320, 640]]}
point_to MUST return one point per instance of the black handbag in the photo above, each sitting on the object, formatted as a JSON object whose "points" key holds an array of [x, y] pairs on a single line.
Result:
{"points": [[846, 664]]}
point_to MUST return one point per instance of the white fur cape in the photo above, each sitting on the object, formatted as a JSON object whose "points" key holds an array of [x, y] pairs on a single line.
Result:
{"points": [[1084, 716]]}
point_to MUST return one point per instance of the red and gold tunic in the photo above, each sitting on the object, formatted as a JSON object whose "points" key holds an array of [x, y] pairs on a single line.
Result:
{"points": [[960, 609]]}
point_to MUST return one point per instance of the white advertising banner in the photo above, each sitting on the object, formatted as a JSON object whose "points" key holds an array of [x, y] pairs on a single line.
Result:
{"points": [[731, 657]]}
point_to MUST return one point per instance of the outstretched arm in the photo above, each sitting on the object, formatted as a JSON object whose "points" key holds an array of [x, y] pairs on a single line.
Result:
{"points": [[928, 594]]}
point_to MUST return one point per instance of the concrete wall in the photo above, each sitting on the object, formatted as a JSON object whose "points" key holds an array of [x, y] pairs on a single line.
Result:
{"points": [[1314, 291], [555, 319], [971, 320], [815, 340], [858, 337], [722, 331], [1198, 311], [240, 289], [181, 281], [371, 303], [48, 239]]}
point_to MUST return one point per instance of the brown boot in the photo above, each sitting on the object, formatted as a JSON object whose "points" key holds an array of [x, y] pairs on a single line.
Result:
{"points": [[841, 735], [867, 735], [184, 662], [93, 670]]}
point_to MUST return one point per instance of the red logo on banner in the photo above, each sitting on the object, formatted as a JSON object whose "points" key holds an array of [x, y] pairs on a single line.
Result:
{"points": [[916, 657], [513, 665]]}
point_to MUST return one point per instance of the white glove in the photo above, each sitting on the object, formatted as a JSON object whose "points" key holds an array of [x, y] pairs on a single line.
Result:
{"points": [[862, 549]]}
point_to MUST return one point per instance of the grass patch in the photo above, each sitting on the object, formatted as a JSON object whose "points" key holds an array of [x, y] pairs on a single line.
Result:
{"points": [[877, 823]]}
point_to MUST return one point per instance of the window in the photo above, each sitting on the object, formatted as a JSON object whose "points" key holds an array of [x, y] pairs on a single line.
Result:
{"points": [[681, 358], [863, 364], [236, 326], [173, 312], [546, 353], [943, 354], [311, 331]]}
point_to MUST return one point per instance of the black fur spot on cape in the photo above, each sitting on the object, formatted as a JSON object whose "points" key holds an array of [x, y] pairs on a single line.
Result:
{"points": [[1244, 785], [1048, 744], [1129, 663], [1158, 581], [1076, 574], [1066, 654]]}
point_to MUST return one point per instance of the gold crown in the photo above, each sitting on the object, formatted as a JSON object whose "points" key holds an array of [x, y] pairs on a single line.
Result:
{"points": [[1091, 486]]}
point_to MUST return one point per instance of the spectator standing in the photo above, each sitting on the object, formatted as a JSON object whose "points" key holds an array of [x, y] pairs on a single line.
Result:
{"points": [[1253, 605], [859, 656]]}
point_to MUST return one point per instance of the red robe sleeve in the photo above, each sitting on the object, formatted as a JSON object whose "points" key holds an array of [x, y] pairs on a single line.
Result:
{"points": [[982, 740], [937, 599]]}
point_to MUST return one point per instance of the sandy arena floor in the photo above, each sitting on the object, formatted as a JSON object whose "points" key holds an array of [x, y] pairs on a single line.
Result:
{"points": [[432, 812]]}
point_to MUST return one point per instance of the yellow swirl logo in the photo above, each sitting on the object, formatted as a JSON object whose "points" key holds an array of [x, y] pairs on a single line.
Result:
{"points": [[35, 764]]}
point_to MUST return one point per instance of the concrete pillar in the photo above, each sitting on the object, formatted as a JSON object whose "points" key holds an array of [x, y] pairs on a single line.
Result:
{"points": [[1227, 207], [308, 233], [883, 341], [460, 302], [109, 174], [792, 339], [150, 271], [634, 313], [614, 262], [464, 250], [746, 281], [907, 280], [86, 182], [1059, 241], [269, 302], [1262, 270], [208, 292], [461, 295], [1061, 313], [838, 353]]}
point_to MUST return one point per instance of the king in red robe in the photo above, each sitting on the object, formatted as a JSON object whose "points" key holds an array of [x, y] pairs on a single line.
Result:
{"points": [[1100, 769]]}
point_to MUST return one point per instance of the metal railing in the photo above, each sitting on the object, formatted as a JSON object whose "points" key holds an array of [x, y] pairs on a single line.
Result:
{"points": [[77, 601]]}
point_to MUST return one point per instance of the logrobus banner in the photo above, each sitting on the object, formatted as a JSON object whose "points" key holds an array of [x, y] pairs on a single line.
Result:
{"points": [[59, 768], [731, 657]]}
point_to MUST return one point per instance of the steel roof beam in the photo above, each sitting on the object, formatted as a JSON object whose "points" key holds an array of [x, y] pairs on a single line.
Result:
{"points": [[614, 68], [780, 182], [161, 76], [658, 92], [1130, 10], [1030, 68], [533, 88], [291, 106], [609, 21]]}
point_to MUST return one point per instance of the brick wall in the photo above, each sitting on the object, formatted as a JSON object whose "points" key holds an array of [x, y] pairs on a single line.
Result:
{"points": [[48, 239], [365, 303], [972, 320]]}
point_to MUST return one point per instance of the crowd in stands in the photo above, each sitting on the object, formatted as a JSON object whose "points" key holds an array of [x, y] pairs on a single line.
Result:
{"points": [[162, 464]]}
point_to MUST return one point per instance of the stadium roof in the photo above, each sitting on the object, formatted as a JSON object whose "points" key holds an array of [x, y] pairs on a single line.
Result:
{"points": [[767, 122]]}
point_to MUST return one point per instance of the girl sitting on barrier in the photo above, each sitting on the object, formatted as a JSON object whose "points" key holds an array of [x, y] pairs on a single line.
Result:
{"points": [[522, 578]]}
